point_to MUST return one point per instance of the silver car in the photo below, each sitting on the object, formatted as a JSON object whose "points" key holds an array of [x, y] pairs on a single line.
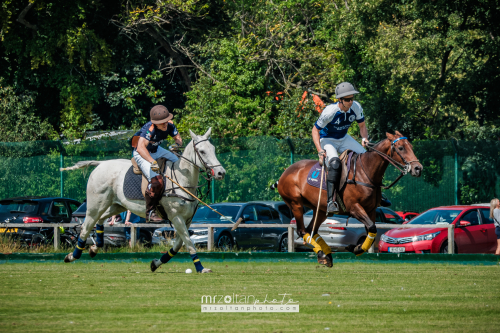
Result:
{"points": [[337, 235]]}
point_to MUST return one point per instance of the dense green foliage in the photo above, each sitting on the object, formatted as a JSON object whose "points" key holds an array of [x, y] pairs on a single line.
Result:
{"points": [[427, 68]]}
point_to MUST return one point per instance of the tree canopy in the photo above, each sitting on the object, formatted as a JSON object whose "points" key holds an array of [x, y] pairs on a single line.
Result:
{"points": [[429, 69]]}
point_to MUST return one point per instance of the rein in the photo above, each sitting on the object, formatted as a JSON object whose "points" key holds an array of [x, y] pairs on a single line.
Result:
{"points": [[403, 168]]}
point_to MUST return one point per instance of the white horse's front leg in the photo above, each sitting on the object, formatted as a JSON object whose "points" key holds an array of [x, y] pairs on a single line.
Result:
{"points": [[182, 230], [169, 255]]}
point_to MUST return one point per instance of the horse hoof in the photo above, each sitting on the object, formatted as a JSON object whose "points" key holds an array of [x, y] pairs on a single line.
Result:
{"points": [[358, 250], [323, 259], [206, 270], [153, 265], [93, 251], [329, 260], [350, 248], [69, 258]]}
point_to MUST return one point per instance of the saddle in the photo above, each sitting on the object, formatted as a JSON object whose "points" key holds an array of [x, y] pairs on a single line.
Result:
{"points": [[162, 163], [315, 172]]}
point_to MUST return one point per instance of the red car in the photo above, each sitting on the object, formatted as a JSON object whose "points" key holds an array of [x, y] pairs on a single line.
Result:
{"points": [[474, 232], [407, 216]]}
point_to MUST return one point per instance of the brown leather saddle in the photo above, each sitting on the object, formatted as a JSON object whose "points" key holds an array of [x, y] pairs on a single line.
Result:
{"points": [[144, 184]]}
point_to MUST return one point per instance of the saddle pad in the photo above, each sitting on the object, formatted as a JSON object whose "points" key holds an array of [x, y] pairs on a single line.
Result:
{"points": [[315, 172], [313, 177], [132, 185]]}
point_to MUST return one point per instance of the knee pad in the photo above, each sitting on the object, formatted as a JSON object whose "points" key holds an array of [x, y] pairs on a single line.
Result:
{"points": [[334, 163]]}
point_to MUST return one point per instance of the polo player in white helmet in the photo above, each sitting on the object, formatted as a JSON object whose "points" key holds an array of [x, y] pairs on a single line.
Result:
{"points": [[331, 139]]}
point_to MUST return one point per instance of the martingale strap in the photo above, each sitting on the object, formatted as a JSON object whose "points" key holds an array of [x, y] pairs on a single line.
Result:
{"points": [[353, 180]]}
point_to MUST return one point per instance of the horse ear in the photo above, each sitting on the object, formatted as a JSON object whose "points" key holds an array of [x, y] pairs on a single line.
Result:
{"points": [[397, 132], [389, 136], [193, 136], [209, 132]]}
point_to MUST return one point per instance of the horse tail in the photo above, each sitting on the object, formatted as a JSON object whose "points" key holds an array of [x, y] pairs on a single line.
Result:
{"points": [[82, 164], [274, 185]]}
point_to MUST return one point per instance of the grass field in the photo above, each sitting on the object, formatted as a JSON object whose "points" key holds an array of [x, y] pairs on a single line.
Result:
{"points": [[350, 297]]}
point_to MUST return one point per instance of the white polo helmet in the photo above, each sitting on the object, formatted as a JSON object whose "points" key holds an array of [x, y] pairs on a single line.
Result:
{"points": [[345, 89]]}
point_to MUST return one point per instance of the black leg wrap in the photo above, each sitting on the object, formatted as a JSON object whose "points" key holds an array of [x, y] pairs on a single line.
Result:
{"points": [[372, 229]]}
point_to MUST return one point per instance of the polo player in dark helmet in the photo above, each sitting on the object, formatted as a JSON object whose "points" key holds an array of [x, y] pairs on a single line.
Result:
{"points": [[147, 150]]}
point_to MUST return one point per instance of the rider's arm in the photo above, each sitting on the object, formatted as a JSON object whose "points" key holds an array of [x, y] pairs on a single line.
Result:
{"points": [[178, 140], [143, 150], [364, 132], [315, 136]]}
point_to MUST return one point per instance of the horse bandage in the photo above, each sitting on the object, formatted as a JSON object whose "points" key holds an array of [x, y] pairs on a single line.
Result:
{"points": [[317, 242], [368, 241]]}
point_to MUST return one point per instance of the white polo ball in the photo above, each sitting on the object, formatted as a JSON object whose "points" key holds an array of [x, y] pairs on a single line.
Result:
{"points": [[188, 271]]}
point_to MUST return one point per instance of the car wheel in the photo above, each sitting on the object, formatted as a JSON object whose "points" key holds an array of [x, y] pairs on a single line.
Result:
{"points": [[37, 240], [283, 245], [225, 242], [444, 248], [145, 240]]}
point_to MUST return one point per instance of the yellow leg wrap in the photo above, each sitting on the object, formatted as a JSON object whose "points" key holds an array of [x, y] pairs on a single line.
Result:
{"points": [[311, 240], [321, 242], [368, 241]]}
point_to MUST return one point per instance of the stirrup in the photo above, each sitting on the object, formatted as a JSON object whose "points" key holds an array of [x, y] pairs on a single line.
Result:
{"points": [[332, 208], [152, 217]]}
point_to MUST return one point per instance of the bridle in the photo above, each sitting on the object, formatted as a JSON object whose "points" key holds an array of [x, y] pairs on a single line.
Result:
{"points": [[207, 169], [403, 168]]}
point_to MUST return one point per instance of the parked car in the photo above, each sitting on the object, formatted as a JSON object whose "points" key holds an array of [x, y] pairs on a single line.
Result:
{"points": [[474, 232], [338, 235], [114, 236], [271, 239], [35, 210], [407, 216]]}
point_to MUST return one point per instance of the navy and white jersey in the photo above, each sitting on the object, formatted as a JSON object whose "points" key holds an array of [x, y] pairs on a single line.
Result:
{"points": [[333, 123], [155, 136]]}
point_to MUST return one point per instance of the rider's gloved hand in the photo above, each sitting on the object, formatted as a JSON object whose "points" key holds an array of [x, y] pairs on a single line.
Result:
{"points": [[322, 154], [155, 167], [174, 147]]}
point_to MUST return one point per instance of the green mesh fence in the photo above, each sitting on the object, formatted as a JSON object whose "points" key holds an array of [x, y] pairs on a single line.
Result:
{"points": [[454, 172]]}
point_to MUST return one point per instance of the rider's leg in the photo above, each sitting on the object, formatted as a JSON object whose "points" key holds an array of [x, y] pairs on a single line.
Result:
{"points": [[349, 143], [156, 184], [334, 167]]}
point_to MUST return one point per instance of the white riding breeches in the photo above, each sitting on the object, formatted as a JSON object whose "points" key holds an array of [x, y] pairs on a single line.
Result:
{"points": [[145, 166], [335, 147]]}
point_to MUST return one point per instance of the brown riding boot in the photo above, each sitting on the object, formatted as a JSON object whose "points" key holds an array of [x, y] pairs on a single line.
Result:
{"points": [[153, 196]]}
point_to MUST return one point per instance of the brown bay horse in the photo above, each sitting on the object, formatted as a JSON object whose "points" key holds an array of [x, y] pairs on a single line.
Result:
{"points": [[360, 199]]}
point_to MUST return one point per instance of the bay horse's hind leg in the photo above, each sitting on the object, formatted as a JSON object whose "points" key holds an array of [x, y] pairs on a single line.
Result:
{"points": [[360, 214], [322, 250]]}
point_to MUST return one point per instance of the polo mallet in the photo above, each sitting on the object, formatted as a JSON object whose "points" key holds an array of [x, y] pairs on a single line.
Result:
{"points": [[319, 200], [194, 196]]}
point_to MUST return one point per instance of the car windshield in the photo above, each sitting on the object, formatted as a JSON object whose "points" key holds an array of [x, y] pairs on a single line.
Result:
{"points": [[82, 208], [18, 206], [436, 216], [204, 213]]}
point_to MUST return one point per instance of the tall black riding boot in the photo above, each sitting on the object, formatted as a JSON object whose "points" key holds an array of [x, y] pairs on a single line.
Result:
{"points": [[333, 184], [154, 192]]}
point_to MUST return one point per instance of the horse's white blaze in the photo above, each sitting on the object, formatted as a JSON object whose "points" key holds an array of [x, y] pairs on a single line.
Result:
{"points": [[105, 196]]}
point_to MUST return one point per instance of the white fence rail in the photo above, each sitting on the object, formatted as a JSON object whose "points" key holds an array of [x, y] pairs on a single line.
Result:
{"points": [[210, 243]]}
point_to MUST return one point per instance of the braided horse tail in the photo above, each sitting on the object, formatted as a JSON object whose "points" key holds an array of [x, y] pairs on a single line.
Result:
{"points": [[82, 164]]}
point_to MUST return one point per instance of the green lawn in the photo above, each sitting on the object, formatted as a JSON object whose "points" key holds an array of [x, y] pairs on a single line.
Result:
{"points": [[359, 297]]}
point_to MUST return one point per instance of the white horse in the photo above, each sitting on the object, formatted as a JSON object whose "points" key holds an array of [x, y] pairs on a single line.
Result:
{"points": [[105, 196]]}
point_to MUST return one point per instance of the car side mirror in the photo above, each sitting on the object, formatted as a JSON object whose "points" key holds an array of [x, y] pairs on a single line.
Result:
{"points": [[465, 223], [246, 217]]}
